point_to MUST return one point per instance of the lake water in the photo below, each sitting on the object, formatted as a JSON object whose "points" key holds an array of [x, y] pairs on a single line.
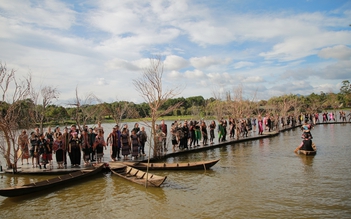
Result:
{"points": [[255, 179]]}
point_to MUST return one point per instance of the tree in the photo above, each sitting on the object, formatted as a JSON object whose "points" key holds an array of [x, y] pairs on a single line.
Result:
{"points": [[47, 94], [346, 87], [150, 87], [84, 109], [120, 110], [13, 106]]}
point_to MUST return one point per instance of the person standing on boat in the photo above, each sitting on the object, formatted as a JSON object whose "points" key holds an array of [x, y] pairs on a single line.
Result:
{"points": [[125, 142], [142, 139], [185, 130], [74, 149], [23, 142], [306, 128], [113, 140], [58, 150], [306, 144]]}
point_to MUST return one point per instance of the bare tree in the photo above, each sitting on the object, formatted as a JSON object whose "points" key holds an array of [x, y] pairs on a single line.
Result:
{"points": [[47, 95], [120, 110], [14, 95], [86, 109], [150, 87]]}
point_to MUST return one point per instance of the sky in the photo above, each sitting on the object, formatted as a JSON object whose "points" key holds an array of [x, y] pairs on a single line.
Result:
{"points": [[210, 47]]}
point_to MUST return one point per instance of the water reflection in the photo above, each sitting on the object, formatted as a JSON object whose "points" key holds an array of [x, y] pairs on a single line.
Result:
{"points": [[256, 179]]}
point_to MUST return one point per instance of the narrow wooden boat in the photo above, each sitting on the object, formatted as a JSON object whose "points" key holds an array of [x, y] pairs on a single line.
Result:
{"points": [[63, 180], [199, 165], [307, 153], [138, 176]]}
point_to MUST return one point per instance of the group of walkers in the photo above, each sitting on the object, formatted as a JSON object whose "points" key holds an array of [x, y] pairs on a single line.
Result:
{"points": [[75, 144], [89, 143]]}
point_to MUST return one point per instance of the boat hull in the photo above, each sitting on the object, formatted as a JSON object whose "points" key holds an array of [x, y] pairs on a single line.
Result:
{"points": [[200, 165], [63, 180], [139, 177]]}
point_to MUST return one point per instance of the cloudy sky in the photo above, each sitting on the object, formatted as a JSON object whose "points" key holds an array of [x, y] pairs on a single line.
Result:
{"points": [[268, 47]]}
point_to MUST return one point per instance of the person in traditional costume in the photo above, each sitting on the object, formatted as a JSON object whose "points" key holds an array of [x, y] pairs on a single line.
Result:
{"points": [[23, 142], [306, 144], [99, 146], [91, 137], [113, 140], [142, 138], [197, 134], [49, 136], [65, 141], [204, 133], [44, 150], [260, 125], [58, 149], [125, 142], [85, 147], [74, 149], [33, 148], [212, 127], [135, 144]]}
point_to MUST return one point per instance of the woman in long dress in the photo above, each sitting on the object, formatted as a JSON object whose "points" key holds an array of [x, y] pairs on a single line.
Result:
{"points": [[260, 125], [58, 150], [125, 141], [135, 144], [23, 142]]}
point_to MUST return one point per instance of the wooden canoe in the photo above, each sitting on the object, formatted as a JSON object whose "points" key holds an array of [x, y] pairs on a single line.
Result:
{"points": [[199, 165], [63, 180], [308, 153], [138, 176]]}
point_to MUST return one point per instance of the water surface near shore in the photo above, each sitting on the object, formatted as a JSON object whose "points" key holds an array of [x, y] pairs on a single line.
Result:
{"points": [[255, 179]]}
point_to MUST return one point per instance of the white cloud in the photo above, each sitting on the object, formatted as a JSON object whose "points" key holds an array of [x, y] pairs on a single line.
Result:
{"points": [[173, 62], [243, 64], [121, 64], [101, 82], [337, 52], [204, 62], [253, 79], [196, 74]]}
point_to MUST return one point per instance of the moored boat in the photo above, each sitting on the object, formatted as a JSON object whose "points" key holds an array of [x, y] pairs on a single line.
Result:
{"points": [[63, 180], [307, 152], [138, 176], [199, 165]]}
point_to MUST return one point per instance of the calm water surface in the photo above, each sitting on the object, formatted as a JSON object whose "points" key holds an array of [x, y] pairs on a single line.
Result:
{"points": [[256, 179]]}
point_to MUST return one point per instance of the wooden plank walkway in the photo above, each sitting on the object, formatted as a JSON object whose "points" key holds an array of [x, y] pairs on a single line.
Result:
{"points": [[28, 169]]}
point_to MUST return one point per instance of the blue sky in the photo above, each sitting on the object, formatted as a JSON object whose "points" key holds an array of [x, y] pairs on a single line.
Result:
{"points": [[268, 48]]}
